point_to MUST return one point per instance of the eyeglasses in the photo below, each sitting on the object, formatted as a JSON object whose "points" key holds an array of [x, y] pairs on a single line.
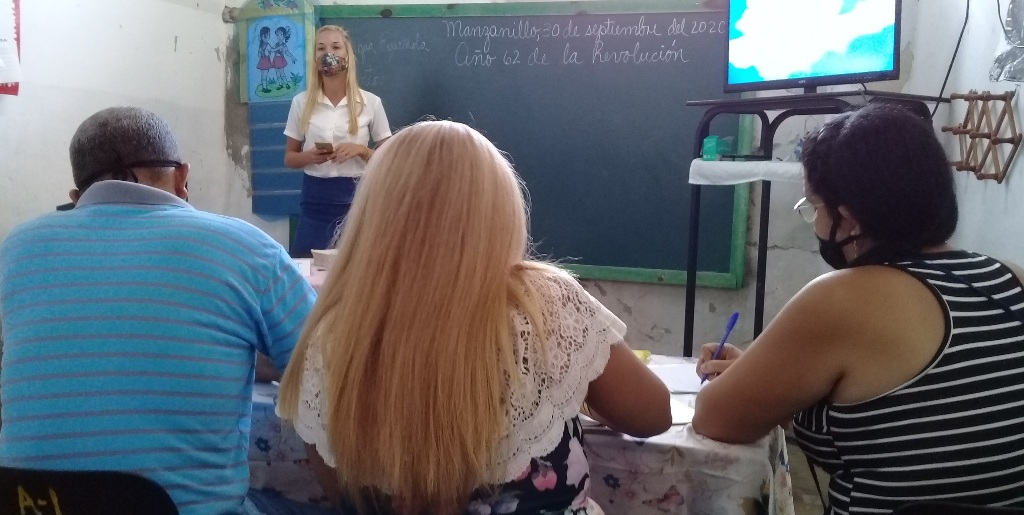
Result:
{"points": [[806, 209]]}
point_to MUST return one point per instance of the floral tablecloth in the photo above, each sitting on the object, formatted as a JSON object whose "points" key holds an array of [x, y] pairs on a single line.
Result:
{"points": [[277, 456], [682, 472], [678, 472]]}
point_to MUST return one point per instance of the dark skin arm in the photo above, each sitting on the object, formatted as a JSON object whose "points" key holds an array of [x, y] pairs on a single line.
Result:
{"points": [[324, 474], [265, 370], [628, 397], [847, 337]]}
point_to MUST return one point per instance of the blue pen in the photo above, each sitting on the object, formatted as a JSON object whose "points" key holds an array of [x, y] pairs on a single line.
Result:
{"points": [[721, 345]]}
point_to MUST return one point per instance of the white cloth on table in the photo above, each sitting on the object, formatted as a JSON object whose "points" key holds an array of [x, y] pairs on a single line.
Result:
{"points": [[579, 336], [739, 172]]}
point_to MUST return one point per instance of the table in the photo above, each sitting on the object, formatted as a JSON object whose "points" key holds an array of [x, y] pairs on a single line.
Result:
{"points": [[677, 472], [681, 471], [277, 456]]}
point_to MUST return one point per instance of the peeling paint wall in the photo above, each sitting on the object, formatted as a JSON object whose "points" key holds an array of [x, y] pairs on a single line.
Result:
{"points": [[236, 115], [170, 56]]}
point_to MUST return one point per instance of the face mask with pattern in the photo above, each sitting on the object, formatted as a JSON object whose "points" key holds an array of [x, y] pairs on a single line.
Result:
{"points": [[332, 65]]}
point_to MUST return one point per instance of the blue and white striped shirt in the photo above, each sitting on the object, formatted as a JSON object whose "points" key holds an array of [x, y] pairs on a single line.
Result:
{"points": [[130, 326]]}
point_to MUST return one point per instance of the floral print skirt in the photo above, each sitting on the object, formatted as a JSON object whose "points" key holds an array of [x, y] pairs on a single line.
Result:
{"points": [[556, 483]]}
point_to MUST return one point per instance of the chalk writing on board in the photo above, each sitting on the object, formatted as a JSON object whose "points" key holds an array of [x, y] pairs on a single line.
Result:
{"points": [[607, 42], [666, 54], [389, 44], [526, 30]]}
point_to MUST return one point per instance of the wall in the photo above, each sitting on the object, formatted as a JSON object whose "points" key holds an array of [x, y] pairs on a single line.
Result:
{"points": [[79, 57], [991, 214], [177, 57]]}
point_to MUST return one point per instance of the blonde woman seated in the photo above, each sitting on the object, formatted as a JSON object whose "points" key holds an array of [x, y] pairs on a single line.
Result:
{"points": [[441, 370]]}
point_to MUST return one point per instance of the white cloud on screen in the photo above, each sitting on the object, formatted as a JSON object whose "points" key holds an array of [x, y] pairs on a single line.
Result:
{"points": [[783, 37]]}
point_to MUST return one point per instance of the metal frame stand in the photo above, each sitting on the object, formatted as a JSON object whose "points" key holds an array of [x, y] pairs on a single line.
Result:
{"points": [[789, 106]]}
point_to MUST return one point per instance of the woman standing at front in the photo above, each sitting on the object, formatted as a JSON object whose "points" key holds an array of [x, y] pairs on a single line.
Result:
{"points": [[329, 130]]}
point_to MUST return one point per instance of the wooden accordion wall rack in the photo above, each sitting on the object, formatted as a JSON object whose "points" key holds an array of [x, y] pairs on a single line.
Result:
{"points": [[989, 123]]}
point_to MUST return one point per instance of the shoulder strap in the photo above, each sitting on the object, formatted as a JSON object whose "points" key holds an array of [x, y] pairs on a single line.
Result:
{"points": [[1002, 305], [1005, 307]]}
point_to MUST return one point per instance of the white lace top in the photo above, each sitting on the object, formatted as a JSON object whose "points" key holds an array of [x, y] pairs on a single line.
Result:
{"points": [[580, 335]]}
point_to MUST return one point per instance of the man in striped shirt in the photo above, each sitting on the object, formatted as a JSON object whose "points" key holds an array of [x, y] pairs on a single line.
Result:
{"points": [[131, 323]]}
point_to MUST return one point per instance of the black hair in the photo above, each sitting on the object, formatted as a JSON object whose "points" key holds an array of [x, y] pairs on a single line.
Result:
{"points": [[115, 141], [887, 167], [264, 32], [285, 31]]}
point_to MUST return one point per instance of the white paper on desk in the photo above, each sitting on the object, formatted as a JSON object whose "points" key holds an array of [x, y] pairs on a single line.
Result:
{"points": [[10, 67], [264, 393], [678, 377], [305, 266], [682, 414]]}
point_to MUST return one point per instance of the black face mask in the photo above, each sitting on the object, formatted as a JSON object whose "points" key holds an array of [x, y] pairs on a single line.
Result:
{"points": [[832, 251]]}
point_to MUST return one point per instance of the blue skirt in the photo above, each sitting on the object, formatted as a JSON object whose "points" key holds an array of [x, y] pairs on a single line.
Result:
{"points": [[323, 206]]}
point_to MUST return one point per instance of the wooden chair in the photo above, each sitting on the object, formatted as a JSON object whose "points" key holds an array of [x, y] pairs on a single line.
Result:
{"points": [[58, 492]]}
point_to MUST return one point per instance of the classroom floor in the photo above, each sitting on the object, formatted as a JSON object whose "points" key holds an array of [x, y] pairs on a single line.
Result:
{"points": [[805, 498]]}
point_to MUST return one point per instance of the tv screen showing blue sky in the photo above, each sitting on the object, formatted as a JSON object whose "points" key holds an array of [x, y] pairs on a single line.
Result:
{"points": [[794, 39]]}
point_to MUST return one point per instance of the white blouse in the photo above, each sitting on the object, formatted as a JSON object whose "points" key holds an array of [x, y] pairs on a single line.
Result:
{"points": [[578, 340], [329, 124]]}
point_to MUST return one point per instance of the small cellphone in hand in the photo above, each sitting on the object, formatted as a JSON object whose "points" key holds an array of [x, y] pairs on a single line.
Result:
{"points": [[324, 147]]}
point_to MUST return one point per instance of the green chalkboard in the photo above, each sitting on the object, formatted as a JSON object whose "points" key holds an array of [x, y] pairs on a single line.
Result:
{"points": [[588, 101]]}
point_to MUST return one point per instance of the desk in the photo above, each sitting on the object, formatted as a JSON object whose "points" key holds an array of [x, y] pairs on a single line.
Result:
{"points": [[677, 472], [277, 456], [681, 471]]}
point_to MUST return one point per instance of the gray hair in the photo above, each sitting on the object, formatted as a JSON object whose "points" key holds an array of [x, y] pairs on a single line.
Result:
{"points": [[115, 138]]}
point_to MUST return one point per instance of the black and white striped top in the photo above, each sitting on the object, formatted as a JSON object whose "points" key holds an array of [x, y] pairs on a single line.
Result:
{"points": [[955, 432]]}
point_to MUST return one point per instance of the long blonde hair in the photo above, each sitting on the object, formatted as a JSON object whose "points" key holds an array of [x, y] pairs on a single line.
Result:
{"points": [[414, 321], [314, 83]]}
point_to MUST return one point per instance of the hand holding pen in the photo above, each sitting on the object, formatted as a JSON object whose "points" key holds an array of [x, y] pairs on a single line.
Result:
{"points": [[716, 357]]}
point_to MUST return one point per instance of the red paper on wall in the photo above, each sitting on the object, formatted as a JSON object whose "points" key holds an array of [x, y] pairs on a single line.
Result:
{"points": [[11, 88]]}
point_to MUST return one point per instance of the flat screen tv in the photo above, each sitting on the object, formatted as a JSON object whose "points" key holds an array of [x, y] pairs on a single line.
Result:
{"points": [[782, 44]]}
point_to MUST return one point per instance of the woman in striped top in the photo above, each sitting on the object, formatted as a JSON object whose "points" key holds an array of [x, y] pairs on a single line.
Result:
{"points": [[904, 368]]}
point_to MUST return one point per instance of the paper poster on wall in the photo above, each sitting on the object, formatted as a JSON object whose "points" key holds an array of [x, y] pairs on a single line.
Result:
{"points": [[10, 45], [276, 58], [274, 49]]}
